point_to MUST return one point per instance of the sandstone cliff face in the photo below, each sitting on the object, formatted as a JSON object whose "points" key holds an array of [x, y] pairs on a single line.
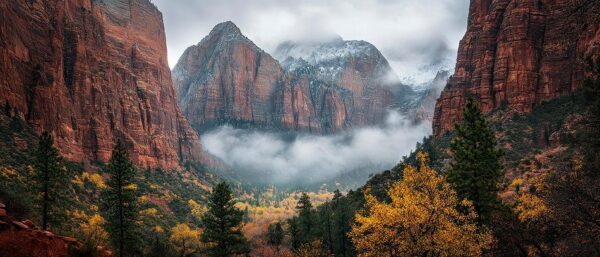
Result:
{"points": [[517, 54], [92, 72], [350, 81], [228, 79]]}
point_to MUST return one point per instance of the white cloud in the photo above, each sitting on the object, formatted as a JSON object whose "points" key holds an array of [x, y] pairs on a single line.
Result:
{"points": [[275, 158], [412, 34]]}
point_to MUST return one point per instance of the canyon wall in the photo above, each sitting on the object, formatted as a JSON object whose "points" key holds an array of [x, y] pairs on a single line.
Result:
{"points": [[226, 78], [516, 54], [92, 72]]}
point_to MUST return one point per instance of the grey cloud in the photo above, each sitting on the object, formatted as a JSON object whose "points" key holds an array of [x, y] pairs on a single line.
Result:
{"points": [[275, 158], [406, 31]]}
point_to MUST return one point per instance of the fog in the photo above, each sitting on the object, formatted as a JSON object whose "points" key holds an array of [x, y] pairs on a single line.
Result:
{"points": [[275, 158]]}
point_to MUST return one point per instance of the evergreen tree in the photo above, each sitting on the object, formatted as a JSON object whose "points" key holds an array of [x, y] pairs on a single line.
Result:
{"points": [[326, 232], [304, 208], [119, 204], [294, 233], [222, 224], [159, 248], [52, 184], [476, 170], [275, 235], [342, 220]]}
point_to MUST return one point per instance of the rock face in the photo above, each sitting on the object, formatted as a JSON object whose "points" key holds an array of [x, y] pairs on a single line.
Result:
{"points": [[424, 110], [354, 71], [517, 54], [226, 78], [92, 72], [24, 239]]}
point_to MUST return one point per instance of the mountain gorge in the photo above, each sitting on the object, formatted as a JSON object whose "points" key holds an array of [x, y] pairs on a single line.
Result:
{"points": [[320, 87], [516, 176]]}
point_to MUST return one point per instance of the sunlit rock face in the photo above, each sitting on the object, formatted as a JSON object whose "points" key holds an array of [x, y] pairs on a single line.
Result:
{"points": [[318, 87], [92, 72], [517, 54]]}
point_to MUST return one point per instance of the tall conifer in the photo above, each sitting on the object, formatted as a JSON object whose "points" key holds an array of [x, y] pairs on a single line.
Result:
{"points": [[222, 224], [476, 170], [119, 204]]}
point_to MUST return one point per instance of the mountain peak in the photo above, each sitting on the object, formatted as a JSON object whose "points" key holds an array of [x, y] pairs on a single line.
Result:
{"points": [[226, 27], [227, 34]]}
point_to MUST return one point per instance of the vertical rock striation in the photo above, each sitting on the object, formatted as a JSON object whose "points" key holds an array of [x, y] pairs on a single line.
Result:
{"points": [[226, 78], [92, 72], [517, 54]]}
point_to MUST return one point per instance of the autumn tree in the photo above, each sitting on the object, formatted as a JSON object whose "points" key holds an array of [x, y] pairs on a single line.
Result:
{"points": [[119, 204], [560, 210], [222, 224], [275, 235], [312, 249], [91, 234], [52, 184], [475, 169], [185, 239], [421, 219]]}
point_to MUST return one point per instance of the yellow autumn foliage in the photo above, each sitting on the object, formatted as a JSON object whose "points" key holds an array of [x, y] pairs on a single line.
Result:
{"points": [[530, 207], [185, 239], [94, 178], [314, 249], [149, 213], [197, 209], [93, 230], [422, 219]]}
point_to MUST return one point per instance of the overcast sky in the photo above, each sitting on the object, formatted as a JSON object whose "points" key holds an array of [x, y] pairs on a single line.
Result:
{"points": [[412, 34]]}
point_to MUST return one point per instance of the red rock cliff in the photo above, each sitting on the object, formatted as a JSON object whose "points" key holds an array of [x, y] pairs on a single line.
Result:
{"points": [[517, 54], [92, 72], [226, 78]]}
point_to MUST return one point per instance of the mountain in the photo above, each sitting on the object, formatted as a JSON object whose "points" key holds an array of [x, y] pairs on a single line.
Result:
{"points": [[226, 77], [92, 72], [518, 54], [353, 65], [427, 97], [319, 88]]}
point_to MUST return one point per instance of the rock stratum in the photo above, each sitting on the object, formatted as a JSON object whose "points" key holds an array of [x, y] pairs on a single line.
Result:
{"points": [[318, 88], [92, 72], [516, 54]]}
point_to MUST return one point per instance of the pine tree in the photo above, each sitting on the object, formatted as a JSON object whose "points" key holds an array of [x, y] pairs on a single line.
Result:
{"points": [[119, 204], [476, 170], [304, 208], [222, 224], [342, 219], [52, 184], [294, 233], [325, 217], [275, 235]]}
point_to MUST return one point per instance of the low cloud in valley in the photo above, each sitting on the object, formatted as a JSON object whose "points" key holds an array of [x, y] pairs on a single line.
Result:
{"points": [[275, 158]]}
